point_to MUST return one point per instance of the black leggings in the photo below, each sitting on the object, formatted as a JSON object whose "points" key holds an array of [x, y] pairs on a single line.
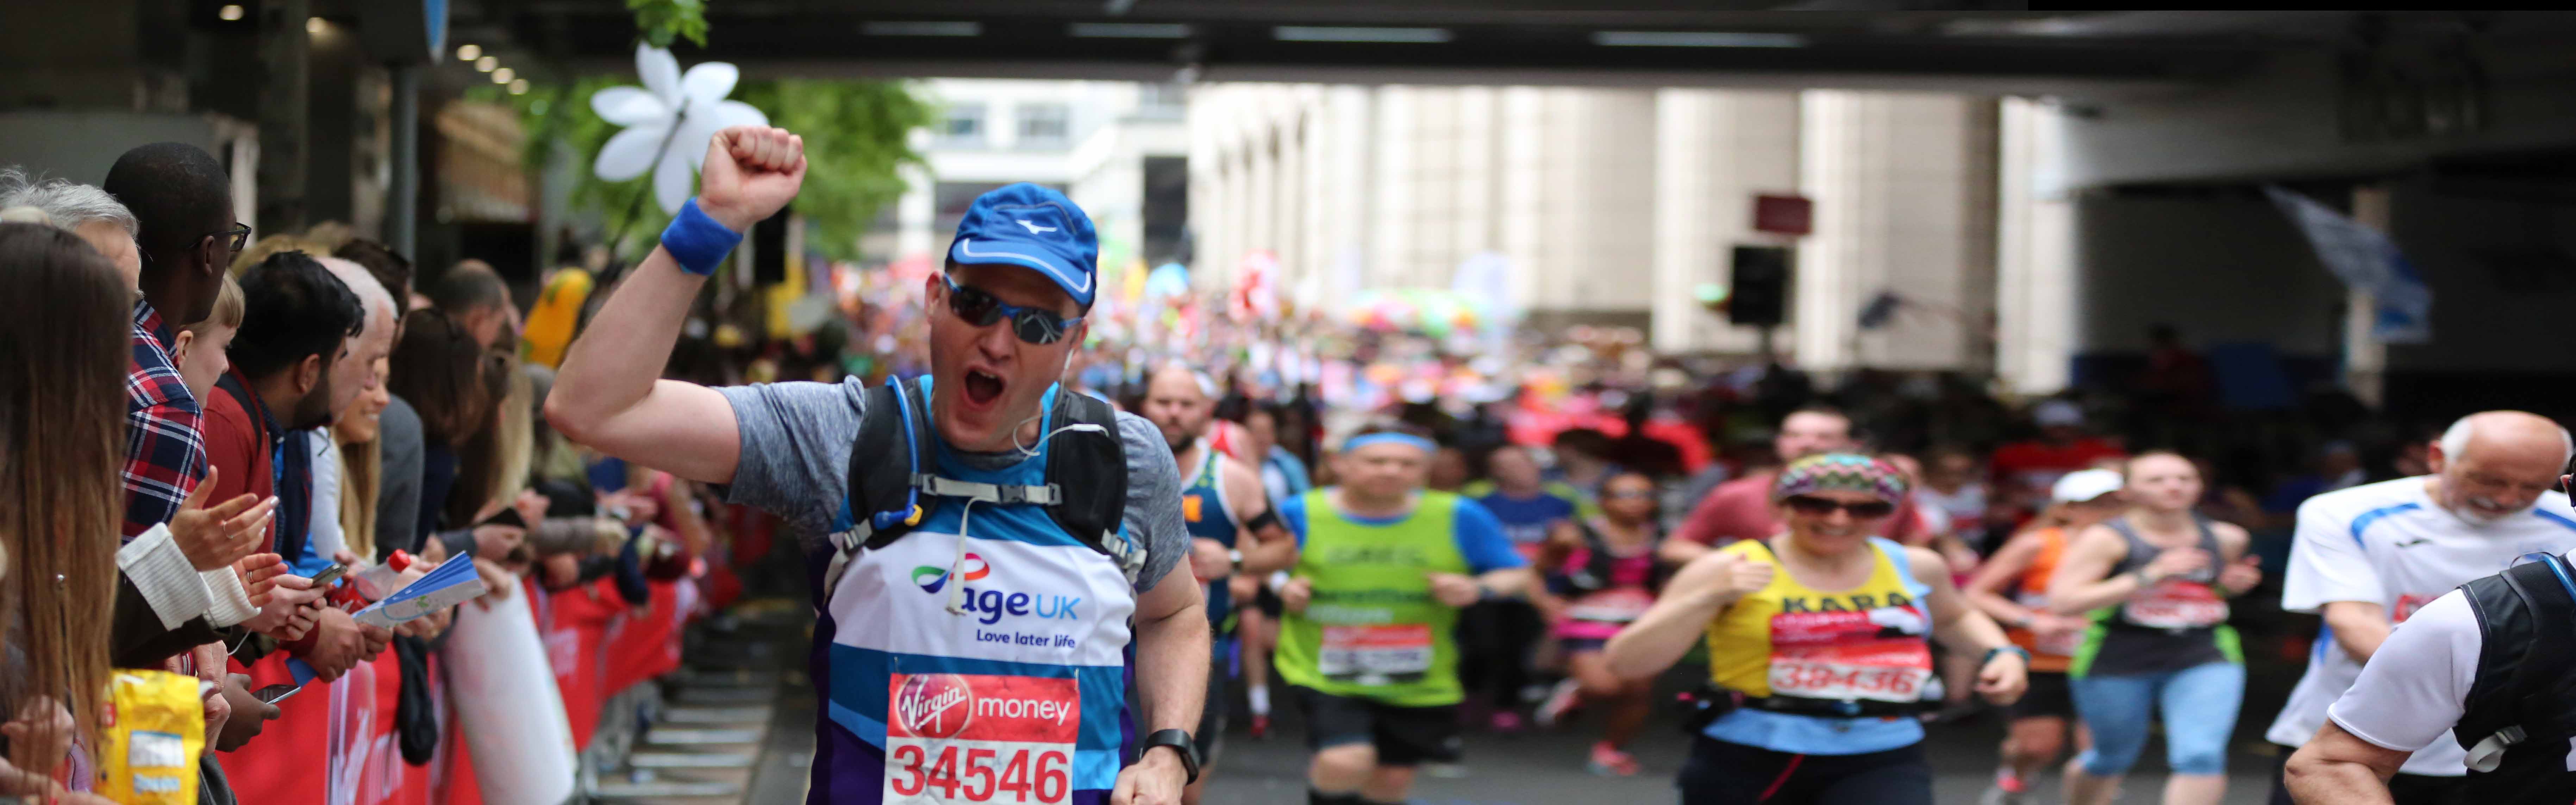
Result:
{"points": [[1722, 773], [1494, 641]]}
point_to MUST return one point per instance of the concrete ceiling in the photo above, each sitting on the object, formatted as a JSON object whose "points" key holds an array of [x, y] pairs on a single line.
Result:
{"points": [[1839, 43]]}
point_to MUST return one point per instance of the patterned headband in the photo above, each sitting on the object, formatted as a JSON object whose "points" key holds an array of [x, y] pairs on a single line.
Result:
{"points": [[1843, 472]]}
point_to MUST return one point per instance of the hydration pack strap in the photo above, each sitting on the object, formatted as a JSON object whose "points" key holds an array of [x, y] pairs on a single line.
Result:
{"points": [[1006, 494], [2552, 610]]}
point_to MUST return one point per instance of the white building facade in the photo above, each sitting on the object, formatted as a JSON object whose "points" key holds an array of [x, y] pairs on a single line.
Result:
{"points": [[1101, 142], [1614, 205]]}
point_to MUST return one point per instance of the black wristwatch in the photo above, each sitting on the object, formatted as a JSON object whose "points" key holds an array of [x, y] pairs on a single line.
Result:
{"points": [[1180, 743]]}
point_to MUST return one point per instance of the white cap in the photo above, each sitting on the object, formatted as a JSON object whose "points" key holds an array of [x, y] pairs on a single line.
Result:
{"points": [[2084, 485], [2057, 414]]}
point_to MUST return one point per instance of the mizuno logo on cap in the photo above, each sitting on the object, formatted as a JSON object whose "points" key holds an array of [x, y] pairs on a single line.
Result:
{"points": [[1035, 229]]}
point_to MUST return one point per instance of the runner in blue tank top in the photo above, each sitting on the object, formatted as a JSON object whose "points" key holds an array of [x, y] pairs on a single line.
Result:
{"points": [[1233, 530], [992, 574]]}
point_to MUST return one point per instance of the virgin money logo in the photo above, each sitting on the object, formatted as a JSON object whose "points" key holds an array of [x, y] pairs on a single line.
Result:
{"points": [[933, 577], [934, 705]]}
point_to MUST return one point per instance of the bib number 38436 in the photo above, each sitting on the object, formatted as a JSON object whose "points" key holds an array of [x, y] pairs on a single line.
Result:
{"points": [[961, 738], [1878, 655]]}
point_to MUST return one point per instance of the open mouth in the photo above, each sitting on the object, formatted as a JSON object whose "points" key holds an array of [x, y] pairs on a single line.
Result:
{"points": [[982, 388]]}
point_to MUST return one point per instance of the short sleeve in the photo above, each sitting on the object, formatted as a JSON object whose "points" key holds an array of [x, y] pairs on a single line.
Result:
{"points": [[2327, 562], [1480, 539], [1560, 507], [795, 449], [1153, 510], [2417, 685], [1292, 511]]}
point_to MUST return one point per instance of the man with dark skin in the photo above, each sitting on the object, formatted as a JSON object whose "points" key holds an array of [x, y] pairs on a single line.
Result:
{"points": [[184, 232]]}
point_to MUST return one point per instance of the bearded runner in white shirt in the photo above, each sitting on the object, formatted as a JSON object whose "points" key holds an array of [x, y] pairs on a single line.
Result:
{"points": [[2369, 557]]}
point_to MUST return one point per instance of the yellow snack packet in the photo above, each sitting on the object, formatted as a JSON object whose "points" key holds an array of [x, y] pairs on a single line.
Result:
{"points": [[149, 740]]}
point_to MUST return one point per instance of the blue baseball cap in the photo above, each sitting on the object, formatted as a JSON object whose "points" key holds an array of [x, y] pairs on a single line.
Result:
{"points": [[1030, 226]]}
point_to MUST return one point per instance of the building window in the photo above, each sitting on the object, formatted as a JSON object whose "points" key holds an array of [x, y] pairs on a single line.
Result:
{"points": [[1044, 125], [1162, 100], [964, 126]]}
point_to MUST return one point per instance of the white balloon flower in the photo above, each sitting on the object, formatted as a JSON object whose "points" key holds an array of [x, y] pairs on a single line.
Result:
{"points": [[668, 122]]}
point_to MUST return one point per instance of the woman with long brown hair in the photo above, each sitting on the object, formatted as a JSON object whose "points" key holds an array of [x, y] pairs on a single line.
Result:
{"points": [[62, 381], [438, 368]]}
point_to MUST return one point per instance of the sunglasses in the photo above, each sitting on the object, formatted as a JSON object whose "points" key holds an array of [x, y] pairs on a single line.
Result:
{"points": [[981, 308], [1648, 495], [1822, 507]]}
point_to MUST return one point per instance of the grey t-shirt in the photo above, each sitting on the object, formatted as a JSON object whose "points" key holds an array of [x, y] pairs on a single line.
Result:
{"points": [[796, 464], [398, 445]]}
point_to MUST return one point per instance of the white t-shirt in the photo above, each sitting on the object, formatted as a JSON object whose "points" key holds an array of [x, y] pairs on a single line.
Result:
{"points": [[2417, 685], [2390, 544], [323, 531]]}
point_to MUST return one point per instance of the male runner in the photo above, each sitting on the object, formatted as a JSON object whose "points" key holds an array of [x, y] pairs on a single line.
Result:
{"points": [[1383, 568], [974, 601], [1232, 529], [2369, 557]]}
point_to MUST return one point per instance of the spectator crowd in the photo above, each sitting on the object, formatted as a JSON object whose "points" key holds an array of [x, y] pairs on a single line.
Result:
{"points": [[304, 431]]}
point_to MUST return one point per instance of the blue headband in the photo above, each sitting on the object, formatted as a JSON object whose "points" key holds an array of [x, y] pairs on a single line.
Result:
{"points": [[1406, 439]]}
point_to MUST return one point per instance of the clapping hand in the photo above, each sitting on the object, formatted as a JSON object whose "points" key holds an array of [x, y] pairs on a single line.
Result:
{"points": [[218, 537]]}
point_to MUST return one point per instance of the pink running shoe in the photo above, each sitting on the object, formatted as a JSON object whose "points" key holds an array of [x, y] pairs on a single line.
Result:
{"points": [[1608, 761]]}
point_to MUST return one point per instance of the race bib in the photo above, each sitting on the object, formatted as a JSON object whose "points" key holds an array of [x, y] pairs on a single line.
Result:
{"points": [[954, 738], [2406, 606], [2062, 644], [1877, 655], [2176, 604], [1389, 650], [1620, 605], [2058, 644]]}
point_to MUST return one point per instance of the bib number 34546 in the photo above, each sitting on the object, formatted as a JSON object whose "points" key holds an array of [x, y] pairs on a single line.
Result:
{"points": [[965, 738]]}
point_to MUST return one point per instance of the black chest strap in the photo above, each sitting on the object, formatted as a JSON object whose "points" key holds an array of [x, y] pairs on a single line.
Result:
{"points": [[2527, 628], [894, 474]]}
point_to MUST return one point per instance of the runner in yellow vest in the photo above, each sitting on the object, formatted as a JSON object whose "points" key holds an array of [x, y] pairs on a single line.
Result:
{"points": [[1818, 660], [1383, 567]]}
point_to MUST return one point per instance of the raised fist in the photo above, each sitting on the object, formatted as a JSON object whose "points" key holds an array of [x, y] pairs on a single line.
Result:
{"points": [[1745, 577], [750, 172]]}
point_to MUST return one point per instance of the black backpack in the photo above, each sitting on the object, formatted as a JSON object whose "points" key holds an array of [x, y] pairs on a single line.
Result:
{"points": [[2521, 710], [894, 465]]}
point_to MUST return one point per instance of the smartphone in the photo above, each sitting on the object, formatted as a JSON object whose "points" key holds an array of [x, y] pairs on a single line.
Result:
{"points": [[276, 693], [328, 575], [507, 517]]}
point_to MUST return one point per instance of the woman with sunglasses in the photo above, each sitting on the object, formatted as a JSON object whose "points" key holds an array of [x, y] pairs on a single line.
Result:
{"points": [[2012, 588], [2155, 582], [1603, 575], [1818, 653]]}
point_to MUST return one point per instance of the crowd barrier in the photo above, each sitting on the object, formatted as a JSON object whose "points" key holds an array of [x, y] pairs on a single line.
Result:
{"points": [[335, 743]]}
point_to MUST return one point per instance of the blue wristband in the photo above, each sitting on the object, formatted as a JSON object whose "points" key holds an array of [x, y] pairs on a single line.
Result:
{"points": [[697, 241]]}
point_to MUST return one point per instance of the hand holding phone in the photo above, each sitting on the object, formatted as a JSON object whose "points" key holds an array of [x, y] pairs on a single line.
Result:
{"points": [[329, 575]]}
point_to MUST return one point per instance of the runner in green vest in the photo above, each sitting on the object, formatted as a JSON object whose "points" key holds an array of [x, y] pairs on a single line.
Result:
{"points": [[1383, 568]]}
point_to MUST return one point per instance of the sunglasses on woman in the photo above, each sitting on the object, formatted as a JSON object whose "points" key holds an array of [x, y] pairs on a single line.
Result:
{"points": [[1824, 507], [981, 308]]}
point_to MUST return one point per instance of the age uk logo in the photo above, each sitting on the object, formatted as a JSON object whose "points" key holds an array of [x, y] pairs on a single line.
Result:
{"points": [[933, 577]]}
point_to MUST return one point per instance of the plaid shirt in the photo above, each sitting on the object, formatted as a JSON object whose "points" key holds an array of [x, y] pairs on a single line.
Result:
{"points": [[165, 456]]}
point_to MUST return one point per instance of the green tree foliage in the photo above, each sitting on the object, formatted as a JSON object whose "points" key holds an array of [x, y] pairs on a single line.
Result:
{"points": [[661, 21], [855, 146], [856, 143]]}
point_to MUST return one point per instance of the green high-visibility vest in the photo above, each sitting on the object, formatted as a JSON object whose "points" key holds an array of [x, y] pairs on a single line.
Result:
{"points": [[1372, 629]]}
